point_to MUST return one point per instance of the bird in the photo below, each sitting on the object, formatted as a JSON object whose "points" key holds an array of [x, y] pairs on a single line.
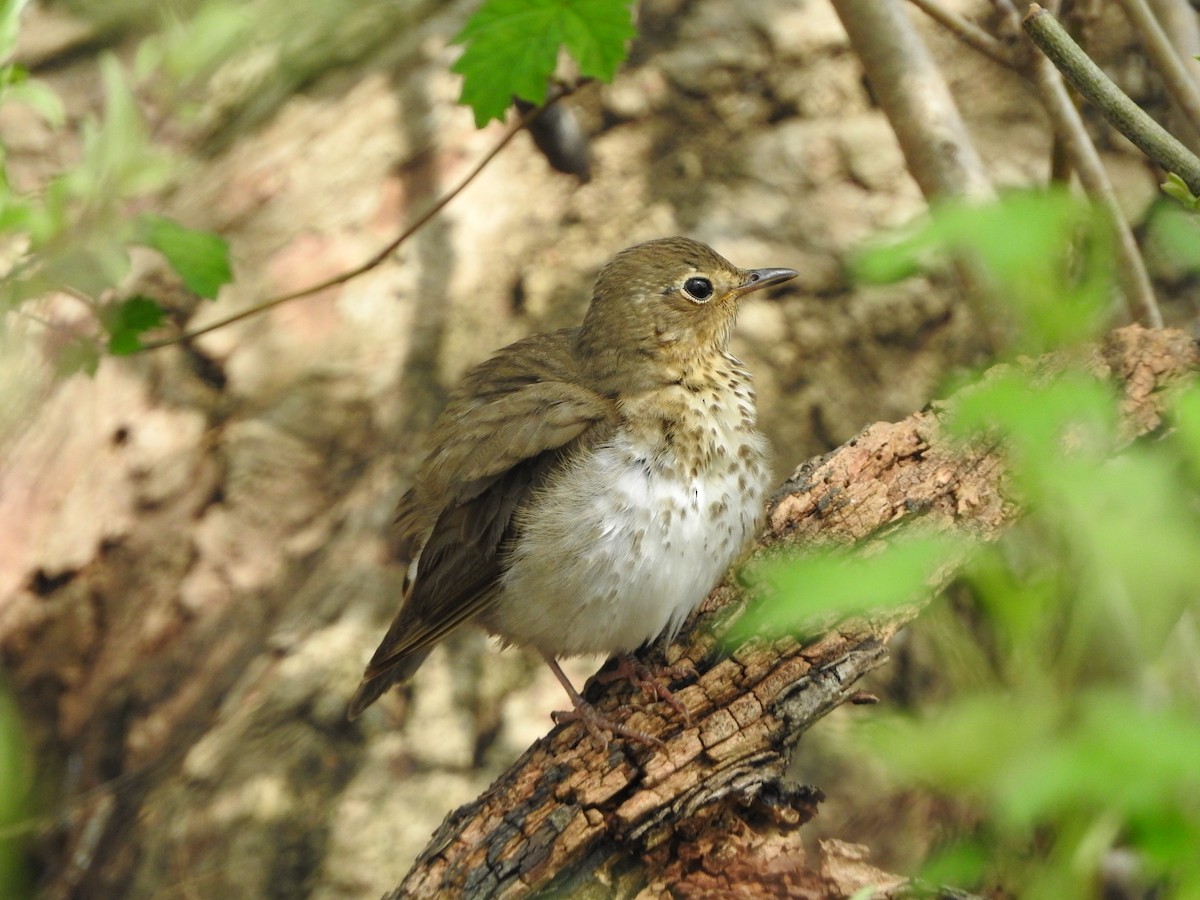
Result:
{"points": [[586, 488]]}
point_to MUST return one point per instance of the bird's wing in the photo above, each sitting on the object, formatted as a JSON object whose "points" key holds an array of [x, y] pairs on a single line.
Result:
{"points": [[511, 420]]}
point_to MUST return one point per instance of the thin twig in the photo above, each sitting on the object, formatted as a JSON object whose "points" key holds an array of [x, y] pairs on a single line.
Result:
{"points": [[1178, 20], [1069, 128], [1124, 115], [381, 255], [968, 32], [1170, 67]]}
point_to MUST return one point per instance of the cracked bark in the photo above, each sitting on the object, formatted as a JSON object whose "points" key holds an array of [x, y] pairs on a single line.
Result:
{"points": [[711, 812]]}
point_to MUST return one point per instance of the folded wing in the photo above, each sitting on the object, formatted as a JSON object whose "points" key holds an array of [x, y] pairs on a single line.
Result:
{"points": [[512, 419]]}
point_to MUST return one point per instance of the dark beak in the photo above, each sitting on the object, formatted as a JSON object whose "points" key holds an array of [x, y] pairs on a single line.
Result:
{"points": [[757, 279]]}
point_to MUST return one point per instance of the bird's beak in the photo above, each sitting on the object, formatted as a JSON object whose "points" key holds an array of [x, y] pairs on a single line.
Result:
{"points": [[757, 279]]}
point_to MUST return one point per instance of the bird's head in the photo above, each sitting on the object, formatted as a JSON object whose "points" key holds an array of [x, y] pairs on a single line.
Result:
{"points": [[667, 301]]}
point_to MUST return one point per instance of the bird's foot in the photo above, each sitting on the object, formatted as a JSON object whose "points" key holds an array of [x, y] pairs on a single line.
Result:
{"points": [[641, 676], [594, 722], [599, 727]]}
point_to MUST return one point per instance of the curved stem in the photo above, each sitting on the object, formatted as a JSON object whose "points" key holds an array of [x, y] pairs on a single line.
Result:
{"points": [[380, 256]]}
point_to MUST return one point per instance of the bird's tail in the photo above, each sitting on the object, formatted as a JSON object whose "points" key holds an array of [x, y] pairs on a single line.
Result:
{"points": [[375, 684]]}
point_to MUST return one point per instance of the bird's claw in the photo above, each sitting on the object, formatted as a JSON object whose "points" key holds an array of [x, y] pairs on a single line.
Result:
{"points": [[641, 676], [597, 725]]}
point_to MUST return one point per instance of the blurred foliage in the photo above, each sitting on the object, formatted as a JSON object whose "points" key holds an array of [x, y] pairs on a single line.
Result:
{"points": [[232, 64], [1047, 256], [16, 800], [512, 48], [221, 66], [1078, 716], [1070, 713], [72, 235], [805, 592]]}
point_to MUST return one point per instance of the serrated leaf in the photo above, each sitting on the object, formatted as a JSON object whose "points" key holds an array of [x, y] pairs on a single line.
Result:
{"points": [[512, 48], [201, 258], [128, 321]]}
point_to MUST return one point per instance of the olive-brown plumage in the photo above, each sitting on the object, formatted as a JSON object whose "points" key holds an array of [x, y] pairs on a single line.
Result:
{"points": [[587, 487]]}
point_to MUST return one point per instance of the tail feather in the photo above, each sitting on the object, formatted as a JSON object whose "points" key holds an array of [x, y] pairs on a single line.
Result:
{"points": [[375, 685]]}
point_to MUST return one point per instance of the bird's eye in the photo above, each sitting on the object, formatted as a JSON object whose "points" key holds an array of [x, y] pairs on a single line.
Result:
{"points": [[699, 289]]}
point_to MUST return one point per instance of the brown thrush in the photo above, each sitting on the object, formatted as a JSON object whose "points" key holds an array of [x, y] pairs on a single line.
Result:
{"points": [[588, 487]]}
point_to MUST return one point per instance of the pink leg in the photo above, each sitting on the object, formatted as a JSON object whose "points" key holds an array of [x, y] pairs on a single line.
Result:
{"points": [[641, 676], [595, 723]]}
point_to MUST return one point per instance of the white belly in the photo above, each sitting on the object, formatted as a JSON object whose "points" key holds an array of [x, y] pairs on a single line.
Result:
{"points": [[622, 549]]}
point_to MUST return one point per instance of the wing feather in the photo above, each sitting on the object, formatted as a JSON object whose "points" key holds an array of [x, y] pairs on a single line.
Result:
{"points": [[511, 421]]}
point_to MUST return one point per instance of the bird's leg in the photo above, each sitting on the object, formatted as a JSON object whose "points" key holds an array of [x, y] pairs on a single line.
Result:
{"points": [[630, 668], [584, 712]]}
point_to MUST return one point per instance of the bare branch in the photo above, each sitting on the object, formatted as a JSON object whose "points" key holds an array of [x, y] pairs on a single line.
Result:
{"points": [[914, 95], [968, 32], [1071, 133], [1179, 82], [1178, 20], [1124, 115]]}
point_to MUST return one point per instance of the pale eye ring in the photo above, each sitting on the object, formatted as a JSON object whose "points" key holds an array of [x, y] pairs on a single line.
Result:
{"points": [[698, 289]]}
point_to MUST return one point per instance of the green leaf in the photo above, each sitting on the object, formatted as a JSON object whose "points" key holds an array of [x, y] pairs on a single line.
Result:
{"points": [[1187, 419], [200, 257], [1036, 417], [15, 215], [1115, 752], [1177, 188], [1046, 253], [119, 160], [12, 74], [797, 593], [10, 24], [963, 860], [40, 98], [1173, 239], [128, 321], [512, 48], [191, 49], [17, 798]]}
